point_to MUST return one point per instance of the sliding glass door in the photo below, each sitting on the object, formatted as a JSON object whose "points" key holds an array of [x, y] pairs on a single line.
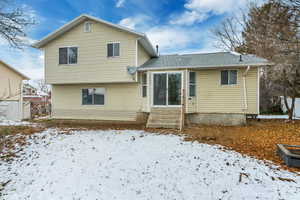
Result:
{"points": [[167, 89]]}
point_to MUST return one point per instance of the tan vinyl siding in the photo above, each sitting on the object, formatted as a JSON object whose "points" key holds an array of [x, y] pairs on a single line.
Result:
{"points": [[212, 97], [143, 56], [93, 64], [10, 84], [122, 102]]}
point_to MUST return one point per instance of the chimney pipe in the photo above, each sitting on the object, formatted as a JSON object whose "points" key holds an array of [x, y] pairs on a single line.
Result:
{"points": [[241, 58], [157, 49]]}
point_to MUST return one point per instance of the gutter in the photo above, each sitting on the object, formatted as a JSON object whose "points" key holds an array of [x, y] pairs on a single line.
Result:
{"points": [[203, 67], [245, 88]]}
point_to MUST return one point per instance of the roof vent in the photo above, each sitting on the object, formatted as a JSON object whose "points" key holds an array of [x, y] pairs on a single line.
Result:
{"points": [[157, 49], [241, 58]]}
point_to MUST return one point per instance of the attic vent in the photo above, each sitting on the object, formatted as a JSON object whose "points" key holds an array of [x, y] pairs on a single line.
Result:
{"points": [[87, 27]]}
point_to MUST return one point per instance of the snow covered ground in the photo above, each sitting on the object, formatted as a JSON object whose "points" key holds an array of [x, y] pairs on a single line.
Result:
{"points": [[275, 117], [138, 165], [4, 122]]}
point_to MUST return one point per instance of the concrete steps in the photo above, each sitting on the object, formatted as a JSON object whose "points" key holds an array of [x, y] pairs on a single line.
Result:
{"points": [[164, 118]]}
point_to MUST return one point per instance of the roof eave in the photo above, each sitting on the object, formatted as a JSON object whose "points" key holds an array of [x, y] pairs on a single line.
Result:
{"points": [[76, 21], [16, 71], [204, 67]]}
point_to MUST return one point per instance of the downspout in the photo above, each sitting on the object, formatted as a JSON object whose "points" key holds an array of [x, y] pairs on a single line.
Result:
{"points": [[245, 88], [21, 101]]}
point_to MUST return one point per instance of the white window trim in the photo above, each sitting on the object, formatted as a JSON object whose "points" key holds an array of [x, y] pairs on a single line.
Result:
{"points": [[237, 77], [152, 88], [84, 27], [113, 49], [195, 84], [145, 84], [81, 90], [68, 54]]}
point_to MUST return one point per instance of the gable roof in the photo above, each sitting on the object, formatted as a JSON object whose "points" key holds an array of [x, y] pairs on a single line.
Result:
{"points": [[144, 41], [205, 60], [14, 70]]}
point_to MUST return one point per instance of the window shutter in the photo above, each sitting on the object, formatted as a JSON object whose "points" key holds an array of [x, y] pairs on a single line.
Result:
{"points": [[63, 55]]}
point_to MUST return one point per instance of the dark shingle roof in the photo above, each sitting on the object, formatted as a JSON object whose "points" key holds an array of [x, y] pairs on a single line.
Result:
{"points": [[208, 60]]}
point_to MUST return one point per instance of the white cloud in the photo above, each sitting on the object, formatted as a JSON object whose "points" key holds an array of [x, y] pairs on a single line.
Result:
{"points": [[120, 3], [189, 18], [140, 22], [199, 10], [173, 38], [28, 61]]}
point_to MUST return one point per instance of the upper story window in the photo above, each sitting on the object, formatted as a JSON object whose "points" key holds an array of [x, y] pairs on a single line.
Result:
{"points": [[192, 84], [87, 27], [68, 55], [228, 77], [93, 96], [113, 49]]}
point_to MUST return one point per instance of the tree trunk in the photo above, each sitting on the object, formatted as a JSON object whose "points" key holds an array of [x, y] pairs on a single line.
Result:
{"points": [[289, 109]]}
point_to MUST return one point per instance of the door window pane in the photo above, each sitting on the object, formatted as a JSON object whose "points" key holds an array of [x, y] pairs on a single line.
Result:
{"points": [[192, 84], [63, 55], [192, 90], [174, 90], [160, 89]]}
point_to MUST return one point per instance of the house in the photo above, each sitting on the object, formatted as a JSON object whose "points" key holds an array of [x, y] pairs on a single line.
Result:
{"points": [[99, 70], [40, 102], [12, 106]]}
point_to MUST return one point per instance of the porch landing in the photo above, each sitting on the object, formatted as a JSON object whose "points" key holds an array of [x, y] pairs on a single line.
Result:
{"points": [[164, 117]]}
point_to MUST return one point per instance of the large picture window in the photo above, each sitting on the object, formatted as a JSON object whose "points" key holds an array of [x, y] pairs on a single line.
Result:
{"points": [[229, 77], [68, 55], [192, 84], [113, 49], [93, 96]]}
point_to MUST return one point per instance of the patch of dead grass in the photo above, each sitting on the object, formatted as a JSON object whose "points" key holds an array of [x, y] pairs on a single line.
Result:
{"points": [[257, 139]]}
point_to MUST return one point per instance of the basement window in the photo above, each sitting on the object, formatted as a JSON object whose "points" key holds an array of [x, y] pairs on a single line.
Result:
{"points": [[93, 96], [228, 77]]}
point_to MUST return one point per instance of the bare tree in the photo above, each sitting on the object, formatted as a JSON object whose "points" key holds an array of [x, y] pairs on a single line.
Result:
{"points": [[42, 86], [270, 31], [13, 22]]}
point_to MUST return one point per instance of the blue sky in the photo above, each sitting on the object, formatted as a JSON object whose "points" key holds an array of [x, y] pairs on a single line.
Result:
{"points": [[177, 26]]}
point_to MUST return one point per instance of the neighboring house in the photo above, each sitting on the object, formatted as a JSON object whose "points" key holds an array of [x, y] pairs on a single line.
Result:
{"points": [[40, 101], [29, 90], [11, 102], [99, 70]]}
